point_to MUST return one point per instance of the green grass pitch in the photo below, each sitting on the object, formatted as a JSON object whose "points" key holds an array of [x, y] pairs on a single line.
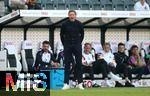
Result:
{"points": [[103, 92]]}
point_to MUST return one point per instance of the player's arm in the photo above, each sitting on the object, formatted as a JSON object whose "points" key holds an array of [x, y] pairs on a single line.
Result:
{"points": [[62, 33]]}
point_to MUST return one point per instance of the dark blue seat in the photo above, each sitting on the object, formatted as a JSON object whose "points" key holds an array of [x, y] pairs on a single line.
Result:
{"points": [[60, 4], [118, 4], [106, 4], [48, 4], [72, 4], [96, 4], [84, 4], [129, 4]]}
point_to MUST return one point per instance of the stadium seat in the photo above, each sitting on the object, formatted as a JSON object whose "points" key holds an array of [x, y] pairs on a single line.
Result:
{"points": [[6, 3], [72, 4], [84, 4], [145, 48], [106, 4], [129, 44], [2, 8], [27, 56], [114, 46], [13, 61], [59, 47], [96, 5], [59, 50], [40, 3], [7, 8], [118, 4], [48, 4], [129, 5], [60, 4], [3, 61], [148, 1], [97, 47]]}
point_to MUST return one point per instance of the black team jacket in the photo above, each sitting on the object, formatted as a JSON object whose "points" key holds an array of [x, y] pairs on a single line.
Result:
{"points": [[39, 61], [121, 58], [72, 32]]}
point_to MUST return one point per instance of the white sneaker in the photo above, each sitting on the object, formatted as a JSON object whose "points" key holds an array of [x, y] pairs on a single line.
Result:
{"points": [[108, 84], [66, 87], [114, 77], [136, 83], [72, 84], [80, 86]]}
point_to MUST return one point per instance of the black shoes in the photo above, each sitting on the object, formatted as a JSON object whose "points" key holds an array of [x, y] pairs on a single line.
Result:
{"points": [[96, 85], [128, 84], [118, 84]]}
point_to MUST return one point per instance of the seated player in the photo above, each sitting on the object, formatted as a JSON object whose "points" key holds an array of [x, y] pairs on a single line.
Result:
{"points": [[147, 56], [147, 60], [122, 63], [87, 62], [106, 64], [44, 58], [136, 63]]}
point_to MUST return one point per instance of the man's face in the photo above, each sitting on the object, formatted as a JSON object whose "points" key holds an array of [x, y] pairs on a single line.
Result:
{"points": [[106, 48], [45, 47], [87, 48], [135, 51], [121, 48], [31, 1], [72, 16], [142, 1]]}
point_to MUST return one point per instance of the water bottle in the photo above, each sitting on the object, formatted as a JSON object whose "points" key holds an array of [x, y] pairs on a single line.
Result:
{"points": [[61, 62]]}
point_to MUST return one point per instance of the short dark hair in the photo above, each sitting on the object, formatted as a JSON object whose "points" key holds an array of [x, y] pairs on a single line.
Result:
{"points": [[72, 11], [87, 44], [121, 44], [134, 46], [45, 42], [107, 44]]}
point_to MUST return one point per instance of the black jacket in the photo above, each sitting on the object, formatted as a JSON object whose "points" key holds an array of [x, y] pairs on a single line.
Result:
{"points": [[121, 58], [72, 32], [39, 59]]}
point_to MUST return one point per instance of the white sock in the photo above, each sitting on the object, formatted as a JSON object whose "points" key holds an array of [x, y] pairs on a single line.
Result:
{"points": [[93, 82]]}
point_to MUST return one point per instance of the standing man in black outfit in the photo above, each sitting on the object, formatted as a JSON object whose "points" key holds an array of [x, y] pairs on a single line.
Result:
{"points": [[72, 35]]}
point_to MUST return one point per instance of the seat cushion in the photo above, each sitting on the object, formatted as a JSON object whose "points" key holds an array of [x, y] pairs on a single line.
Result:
{"points": [[12, 60], [29, 58]]}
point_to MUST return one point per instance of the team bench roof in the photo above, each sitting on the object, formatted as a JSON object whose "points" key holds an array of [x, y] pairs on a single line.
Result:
{"points": [[90, 18]]}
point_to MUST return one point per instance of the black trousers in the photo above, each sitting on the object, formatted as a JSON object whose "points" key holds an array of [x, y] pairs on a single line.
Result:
{"points": [[101, 66], [136, 70], [127, 71], [88, 69], [122, 69], [76, 50]]}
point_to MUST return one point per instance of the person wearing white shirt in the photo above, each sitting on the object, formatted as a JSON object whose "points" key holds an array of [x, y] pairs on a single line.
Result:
{"points": [[107, 55], [109, 58], [141, 5], [44, 58], [87, 57], [87, 62], [105, 62]]}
